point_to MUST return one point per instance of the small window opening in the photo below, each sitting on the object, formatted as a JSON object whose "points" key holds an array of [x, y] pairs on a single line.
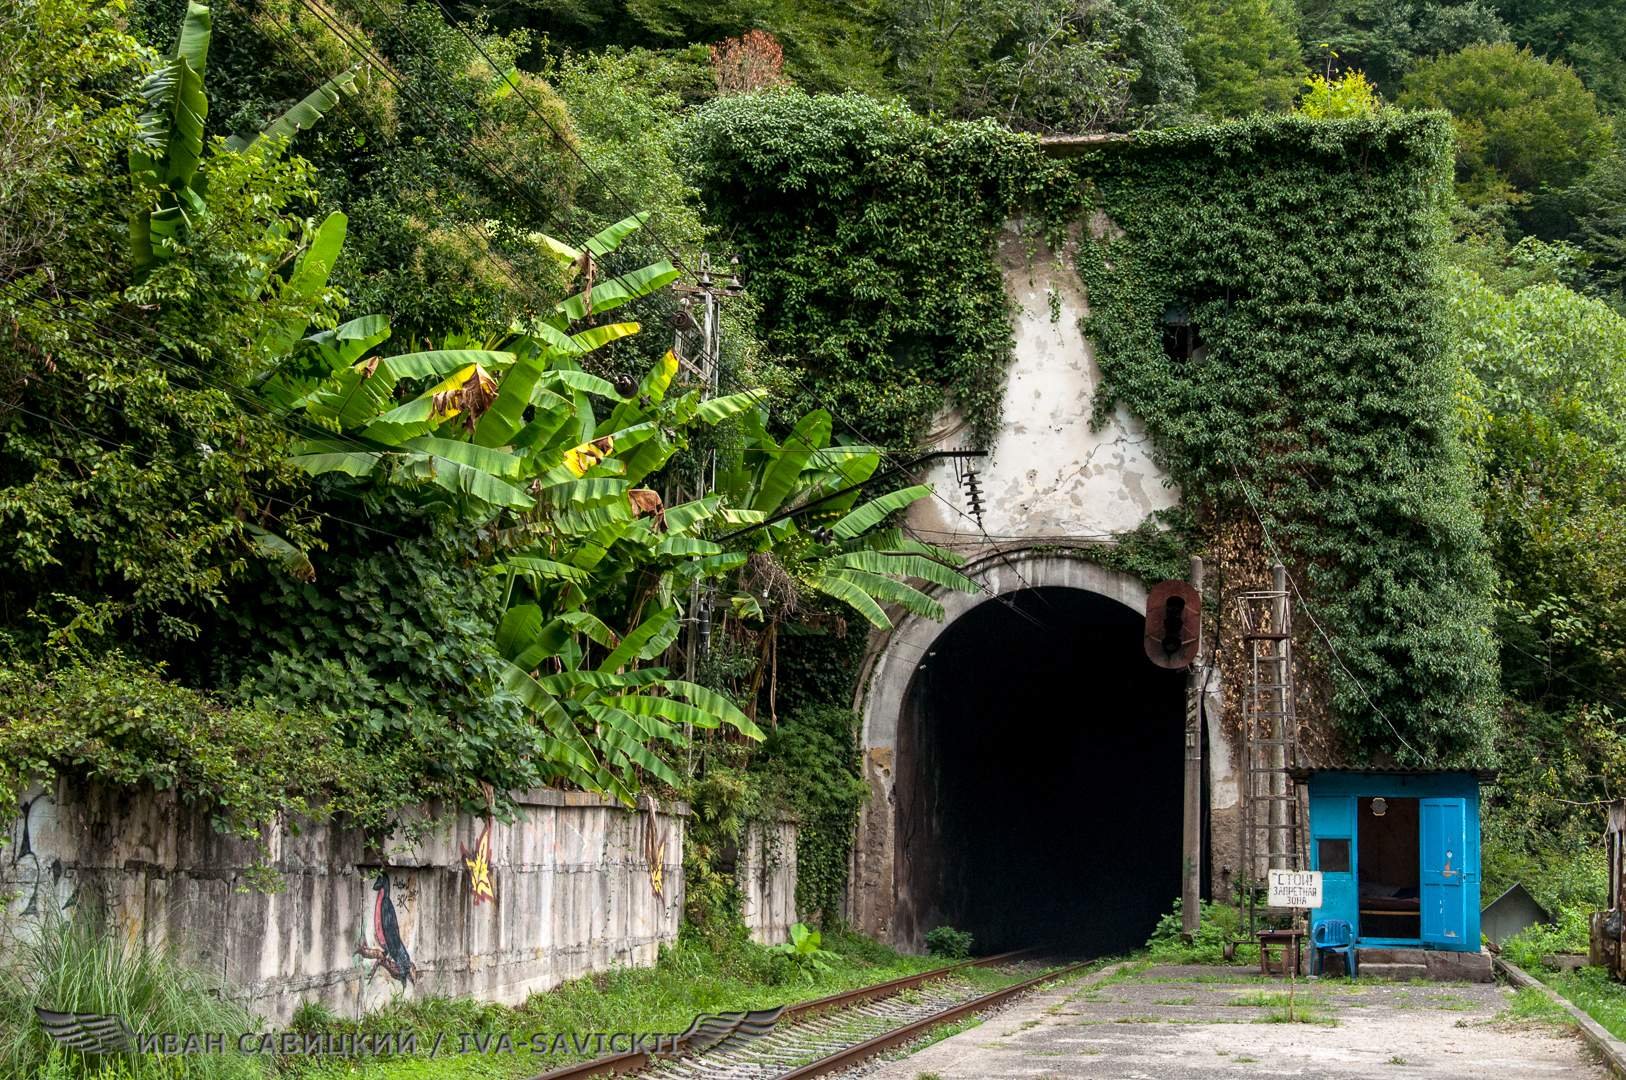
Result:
{"points": [[1181, 338], [1333, 856]]}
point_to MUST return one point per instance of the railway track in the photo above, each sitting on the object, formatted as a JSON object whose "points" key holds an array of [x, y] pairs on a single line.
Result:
{"points": [[826, 1035]]}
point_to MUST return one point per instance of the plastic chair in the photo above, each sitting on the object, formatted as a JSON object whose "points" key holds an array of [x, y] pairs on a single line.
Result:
{"points": [[1333, 936]]}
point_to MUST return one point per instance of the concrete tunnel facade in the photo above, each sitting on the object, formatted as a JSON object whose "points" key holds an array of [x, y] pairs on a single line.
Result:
{"points": [[1025, 733]]}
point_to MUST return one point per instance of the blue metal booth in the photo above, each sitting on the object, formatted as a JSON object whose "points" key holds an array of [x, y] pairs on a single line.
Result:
{"points": [[1398, 853]]}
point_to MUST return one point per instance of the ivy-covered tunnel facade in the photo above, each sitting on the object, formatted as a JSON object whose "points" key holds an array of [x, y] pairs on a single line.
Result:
{"points": [[1039, 791]]}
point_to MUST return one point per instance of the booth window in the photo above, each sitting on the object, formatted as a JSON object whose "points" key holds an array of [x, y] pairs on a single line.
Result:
{"points": [[1333, 856]]}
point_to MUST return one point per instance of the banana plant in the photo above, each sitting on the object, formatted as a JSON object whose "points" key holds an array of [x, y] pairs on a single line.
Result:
{"points": [[510, 422], [167, 159], [804, 493], [511, 428]]}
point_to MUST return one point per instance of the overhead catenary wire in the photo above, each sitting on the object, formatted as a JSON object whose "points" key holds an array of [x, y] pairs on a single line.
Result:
{"points": [[445, 126], [1304, 605], [614, 193]]}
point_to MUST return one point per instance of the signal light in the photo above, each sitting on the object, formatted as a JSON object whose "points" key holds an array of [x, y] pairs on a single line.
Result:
{"points": [[1173, 624]]}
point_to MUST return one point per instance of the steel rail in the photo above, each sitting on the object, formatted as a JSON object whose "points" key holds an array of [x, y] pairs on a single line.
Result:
{"points": [[634, 1060], [908, 1033]]}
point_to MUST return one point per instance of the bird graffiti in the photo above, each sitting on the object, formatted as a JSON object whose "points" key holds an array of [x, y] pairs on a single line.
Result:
{"points": [[388, 951]]}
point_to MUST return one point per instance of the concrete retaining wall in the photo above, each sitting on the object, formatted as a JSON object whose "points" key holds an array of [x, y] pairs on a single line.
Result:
{"points": [[573, 893], [766, 873]]}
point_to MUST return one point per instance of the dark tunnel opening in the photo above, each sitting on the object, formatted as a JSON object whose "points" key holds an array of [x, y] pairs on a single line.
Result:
{"points": [[1040, 782]]}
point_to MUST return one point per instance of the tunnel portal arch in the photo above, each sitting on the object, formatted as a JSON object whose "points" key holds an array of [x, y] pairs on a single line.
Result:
{"points": [[993, 751]]}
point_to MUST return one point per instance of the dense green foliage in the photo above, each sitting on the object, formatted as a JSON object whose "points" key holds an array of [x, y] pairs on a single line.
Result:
{"points": [[897, 298], [187, 567], [1243, 53], [1545, 373], [1521, 123], [1353, 461], [467, 591], [810, 766], [1384, 38]]}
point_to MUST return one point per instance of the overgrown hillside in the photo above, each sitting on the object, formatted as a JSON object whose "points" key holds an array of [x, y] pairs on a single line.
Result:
{"points": [[343, 463]]}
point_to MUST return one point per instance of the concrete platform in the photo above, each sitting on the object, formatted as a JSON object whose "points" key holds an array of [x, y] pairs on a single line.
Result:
{"points": [[1193, 1022]]}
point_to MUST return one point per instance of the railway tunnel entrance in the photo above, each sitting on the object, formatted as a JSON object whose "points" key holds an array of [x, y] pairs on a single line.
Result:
{"points": [[1038, 785]]}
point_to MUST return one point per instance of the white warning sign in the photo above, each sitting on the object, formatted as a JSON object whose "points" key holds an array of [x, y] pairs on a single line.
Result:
{"points": [[1295, 889]]}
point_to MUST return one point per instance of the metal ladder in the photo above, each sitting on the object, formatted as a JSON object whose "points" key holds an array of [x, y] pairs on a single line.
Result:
{"points": [[1273, 829]]}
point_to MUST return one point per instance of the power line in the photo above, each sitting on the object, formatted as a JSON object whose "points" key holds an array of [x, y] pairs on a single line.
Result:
{"points": [[1310, 613], [444, 125], [677, 260]]}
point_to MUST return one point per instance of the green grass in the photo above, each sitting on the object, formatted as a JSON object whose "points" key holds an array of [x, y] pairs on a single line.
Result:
{"points": [[79, 964], [1531, 1004], [692, 977], [1594, 993]]}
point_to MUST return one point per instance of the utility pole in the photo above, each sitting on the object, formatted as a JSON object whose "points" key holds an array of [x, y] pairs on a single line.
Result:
{"points": [[1278, 845], [1191, 839], [705, 366]]}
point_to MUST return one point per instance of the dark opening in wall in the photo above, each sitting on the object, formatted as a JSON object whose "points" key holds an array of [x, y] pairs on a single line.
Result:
{"points": [[1039, 778]]}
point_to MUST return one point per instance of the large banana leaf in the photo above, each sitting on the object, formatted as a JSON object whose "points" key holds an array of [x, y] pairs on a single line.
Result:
{"points": [[849, 593], [439, 363], [685, 516], [716, 704], [785, 464], [718, 409], [506, 416], [874, 511], [303, 115], [619, 290], [648, 640], [607, 240], [309, 278], [318, 456], [900, 566], [579, 380], [889, 591], [467, 470]]}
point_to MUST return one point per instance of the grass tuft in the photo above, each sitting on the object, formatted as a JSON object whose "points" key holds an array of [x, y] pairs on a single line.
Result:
{"points": [[80, 964]]}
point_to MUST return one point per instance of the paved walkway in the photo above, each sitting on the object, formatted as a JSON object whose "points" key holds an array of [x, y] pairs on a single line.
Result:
{"points": [[1175, 1023]]}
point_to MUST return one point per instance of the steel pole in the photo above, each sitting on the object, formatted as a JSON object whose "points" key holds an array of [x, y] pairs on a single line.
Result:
{"points": [[1191, 838]]}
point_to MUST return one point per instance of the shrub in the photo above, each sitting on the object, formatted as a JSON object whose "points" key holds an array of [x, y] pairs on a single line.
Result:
{"points": [[1568, 934], [949, 943], [1219, 925]]}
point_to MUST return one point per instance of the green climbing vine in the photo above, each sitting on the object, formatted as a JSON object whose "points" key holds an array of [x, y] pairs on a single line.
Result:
{"points": [[1306, 256]]}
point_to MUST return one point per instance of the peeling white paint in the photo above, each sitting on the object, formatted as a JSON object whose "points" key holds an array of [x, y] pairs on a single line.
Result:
{"points": [[1049, 473]]}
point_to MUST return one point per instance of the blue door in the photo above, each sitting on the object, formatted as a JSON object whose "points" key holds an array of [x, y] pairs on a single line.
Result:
{"points": [[1446, 871]]}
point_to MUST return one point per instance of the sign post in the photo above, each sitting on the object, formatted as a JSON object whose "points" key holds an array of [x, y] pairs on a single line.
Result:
{"points": [[1299, 890]]}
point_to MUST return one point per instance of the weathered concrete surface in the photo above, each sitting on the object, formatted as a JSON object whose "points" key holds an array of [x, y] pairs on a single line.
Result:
{"points": [[1187, 1023], [1050, 473], [574, 894], [766, 873], [1053, 480]]}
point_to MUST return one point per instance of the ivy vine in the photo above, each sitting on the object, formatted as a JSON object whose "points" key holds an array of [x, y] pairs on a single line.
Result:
{"points": [[1307, 254]]}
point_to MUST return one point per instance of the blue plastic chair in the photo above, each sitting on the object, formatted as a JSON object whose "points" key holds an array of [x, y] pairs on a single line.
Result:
{"points": [[1333, 936]]}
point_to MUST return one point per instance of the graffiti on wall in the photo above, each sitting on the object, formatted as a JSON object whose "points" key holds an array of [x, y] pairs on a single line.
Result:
{"points": [[35, 878], [478, 861], [482, 879], [386, 949]]}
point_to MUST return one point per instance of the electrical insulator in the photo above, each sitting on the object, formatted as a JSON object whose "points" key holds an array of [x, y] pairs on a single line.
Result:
{"points": [[973, 494]]}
